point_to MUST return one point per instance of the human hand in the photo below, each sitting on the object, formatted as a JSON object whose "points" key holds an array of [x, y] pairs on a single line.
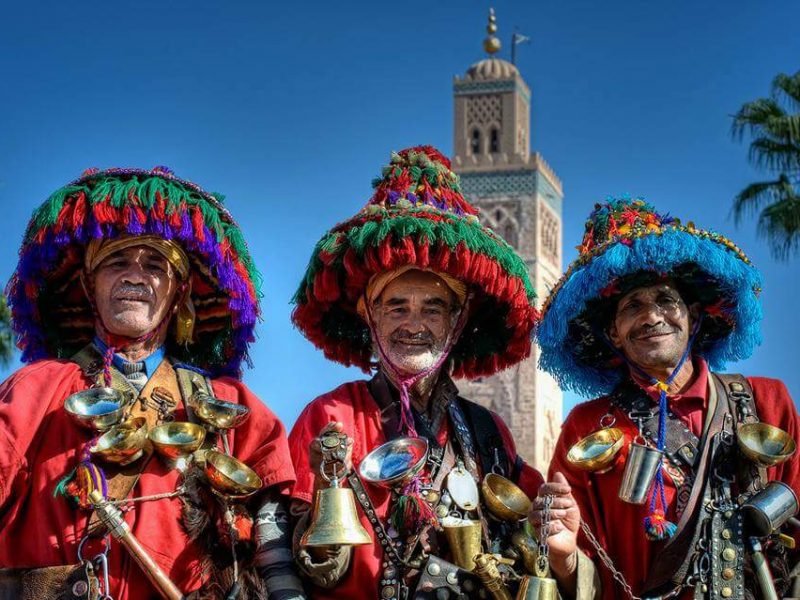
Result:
{"points": [[338, 459], [565, 521]]}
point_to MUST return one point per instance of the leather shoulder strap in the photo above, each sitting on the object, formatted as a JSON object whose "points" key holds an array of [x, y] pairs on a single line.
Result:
{"points": [[489, 441]]}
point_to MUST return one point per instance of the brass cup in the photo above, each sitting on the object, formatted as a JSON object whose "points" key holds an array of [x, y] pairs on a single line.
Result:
{"points": [[177, 440], [504, 499], [464, 538], [765, 444], [123, 443], [597, 451], [97, 409], [229, 476], [395, 462], [216, 413]]}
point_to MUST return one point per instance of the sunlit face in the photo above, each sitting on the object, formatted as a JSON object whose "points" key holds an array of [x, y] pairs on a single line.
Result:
{"points": [[652, 326], [413, 319], [134, 289]]}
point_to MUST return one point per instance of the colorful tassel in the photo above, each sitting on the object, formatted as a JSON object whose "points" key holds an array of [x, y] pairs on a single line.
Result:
{"points": [[81, 481], [411, 513]]}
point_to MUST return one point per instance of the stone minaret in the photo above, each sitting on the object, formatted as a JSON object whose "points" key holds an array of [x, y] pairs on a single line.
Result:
{"points": [[520, 197]]}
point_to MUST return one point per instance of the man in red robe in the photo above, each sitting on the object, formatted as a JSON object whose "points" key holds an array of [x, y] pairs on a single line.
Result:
{"points": [[640, 317], [136, 281], [416, 281]]}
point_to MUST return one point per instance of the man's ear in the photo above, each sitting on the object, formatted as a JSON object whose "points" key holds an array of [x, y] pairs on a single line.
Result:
{"points": [[613, 335], [694, 313]]}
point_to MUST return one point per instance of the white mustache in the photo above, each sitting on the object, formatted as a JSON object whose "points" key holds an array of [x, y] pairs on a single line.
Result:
{"points": [[134, 292]]}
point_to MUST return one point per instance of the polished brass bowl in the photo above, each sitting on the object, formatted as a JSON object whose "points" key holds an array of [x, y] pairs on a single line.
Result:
{"points": [[97, 409], [395, 462], [596, 451], [177, 440], [123, 443], [218, 414], [765, 444], [504, 499], [229, 476]]}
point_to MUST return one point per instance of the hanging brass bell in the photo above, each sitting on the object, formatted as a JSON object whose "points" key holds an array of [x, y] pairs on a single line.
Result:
{"points": [[335, 520], [539, 586]]}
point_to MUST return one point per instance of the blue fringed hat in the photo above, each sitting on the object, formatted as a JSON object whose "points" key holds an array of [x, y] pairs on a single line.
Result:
{"points": [[628, 244]]}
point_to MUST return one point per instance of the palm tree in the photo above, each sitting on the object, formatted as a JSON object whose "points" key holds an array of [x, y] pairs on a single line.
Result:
{"points": [[6, 335], [775, 148]]}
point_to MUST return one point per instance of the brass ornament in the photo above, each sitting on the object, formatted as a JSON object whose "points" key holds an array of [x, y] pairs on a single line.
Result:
{"points": [[395, 462], [334, 520], [464, 539], [218, 414], [179, 439], [504, 499], [98, 408], [765, 444], [123, 443], [597, 451], [230, 477]]}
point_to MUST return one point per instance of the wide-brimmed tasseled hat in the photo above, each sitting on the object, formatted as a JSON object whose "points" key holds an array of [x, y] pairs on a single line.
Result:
{"points": [[52, 317], [417, 216], [628, 244]]}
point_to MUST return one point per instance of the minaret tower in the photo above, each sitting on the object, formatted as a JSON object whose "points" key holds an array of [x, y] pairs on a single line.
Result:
{"points": [[520, 197]]}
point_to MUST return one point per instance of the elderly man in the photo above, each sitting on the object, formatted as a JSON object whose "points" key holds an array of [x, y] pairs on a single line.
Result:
{"points": [[640, 318], [414, 280], [137, 281]]}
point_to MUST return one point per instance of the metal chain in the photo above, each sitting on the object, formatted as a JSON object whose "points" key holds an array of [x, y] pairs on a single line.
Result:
{"points": [[543, 559], [606, 560]]}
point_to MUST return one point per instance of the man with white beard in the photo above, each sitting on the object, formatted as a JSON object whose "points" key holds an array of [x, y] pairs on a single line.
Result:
{"points": [[414, 287]]}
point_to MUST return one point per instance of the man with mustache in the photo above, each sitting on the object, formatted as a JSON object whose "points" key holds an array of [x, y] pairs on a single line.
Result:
{"points": [[644, 318], [140, 282], [414, 289]]}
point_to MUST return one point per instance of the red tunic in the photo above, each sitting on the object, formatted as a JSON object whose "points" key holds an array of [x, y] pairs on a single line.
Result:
{"points": [[39, 444], [352, 405], [618, 525]]}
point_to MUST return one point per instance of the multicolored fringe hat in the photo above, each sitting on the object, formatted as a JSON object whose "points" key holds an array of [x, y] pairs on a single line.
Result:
{"points": [[52, 317], [628, 244], [417, 216]]}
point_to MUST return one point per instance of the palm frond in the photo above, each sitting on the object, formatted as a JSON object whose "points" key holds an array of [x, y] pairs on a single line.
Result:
{"points": [[754, 116], [752, 198], [779, 223], [775, 156], [6, 334], [788, 85]]}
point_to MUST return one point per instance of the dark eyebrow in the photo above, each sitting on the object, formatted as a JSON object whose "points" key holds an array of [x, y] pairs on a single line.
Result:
{"points": [[437, 302], [395, 301]]}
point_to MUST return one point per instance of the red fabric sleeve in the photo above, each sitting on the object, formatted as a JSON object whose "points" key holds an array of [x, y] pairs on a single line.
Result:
{"points": [[581, 420], [260, 442], [529, 478], [26, 398]]}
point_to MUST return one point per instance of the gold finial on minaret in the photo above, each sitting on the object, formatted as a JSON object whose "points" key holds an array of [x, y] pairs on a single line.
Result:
{"points": [[491, 44]]}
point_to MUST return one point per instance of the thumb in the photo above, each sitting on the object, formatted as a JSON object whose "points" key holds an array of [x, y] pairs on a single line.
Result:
{"points": [[558, 477]]}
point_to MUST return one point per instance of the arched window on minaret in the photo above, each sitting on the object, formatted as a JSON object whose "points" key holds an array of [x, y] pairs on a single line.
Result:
{"points": [[494, 141], [475, 142]]}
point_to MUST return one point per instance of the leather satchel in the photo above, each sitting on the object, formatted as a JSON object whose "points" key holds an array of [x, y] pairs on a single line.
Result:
{"points": [[67, 582]]}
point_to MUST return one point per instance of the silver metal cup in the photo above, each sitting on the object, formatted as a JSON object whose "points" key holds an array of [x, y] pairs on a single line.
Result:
{"points": [[640, 470], [770, 508]]}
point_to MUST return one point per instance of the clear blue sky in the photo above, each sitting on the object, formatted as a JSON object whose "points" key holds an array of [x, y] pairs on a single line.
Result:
{"points": [[290, 110]]}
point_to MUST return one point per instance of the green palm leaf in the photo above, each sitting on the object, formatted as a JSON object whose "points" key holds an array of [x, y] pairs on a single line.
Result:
{"points": [[775, 147], [6, 335]]}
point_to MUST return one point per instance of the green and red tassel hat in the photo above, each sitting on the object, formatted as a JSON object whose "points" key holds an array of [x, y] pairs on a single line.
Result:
{"points": [[418, 216], [51, 314]]}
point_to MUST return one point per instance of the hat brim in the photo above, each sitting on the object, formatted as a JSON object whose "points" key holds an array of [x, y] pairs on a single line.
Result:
{"points": [[502, 315]]}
